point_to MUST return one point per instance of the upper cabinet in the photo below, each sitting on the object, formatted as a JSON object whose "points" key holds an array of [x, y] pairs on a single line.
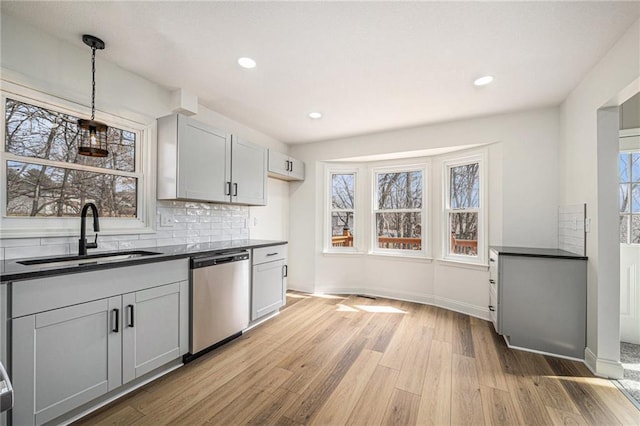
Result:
{"points": [[281, 166], [199, 162]]}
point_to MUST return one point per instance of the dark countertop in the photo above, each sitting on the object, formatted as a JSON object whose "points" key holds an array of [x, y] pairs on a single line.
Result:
{"points": [[11, 270], [537, 252]]}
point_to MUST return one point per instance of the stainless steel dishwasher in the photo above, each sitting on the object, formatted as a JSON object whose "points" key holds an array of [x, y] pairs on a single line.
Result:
{"points": [[220, 299]]}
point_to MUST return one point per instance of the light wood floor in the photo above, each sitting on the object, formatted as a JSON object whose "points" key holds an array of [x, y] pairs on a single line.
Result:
{"points": [[356, 360]]}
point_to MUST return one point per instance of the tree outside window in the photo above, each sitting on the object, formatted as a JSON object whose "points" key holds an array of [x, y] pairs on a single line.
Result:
{"points": [[399, 210], [46, 177], [343, 190], [463, 209], [629, 197]]}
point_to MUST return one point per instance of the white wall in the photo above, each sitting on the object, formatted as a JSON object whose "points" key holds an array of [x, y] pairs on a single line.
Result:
{"points": [[523, 200], [34, 59], [588, 152]]}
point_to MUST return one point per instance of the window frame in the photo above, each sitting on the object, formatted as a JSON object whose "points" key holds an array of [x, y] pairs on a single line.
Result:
{"points": [[22, 227], [425, 249], [447, 165], [330, 171]]}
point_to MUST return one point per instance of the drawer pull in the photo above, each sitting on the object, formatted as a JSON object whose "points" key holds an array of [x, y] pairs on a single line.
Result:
{"points": [[491, 260], [272, 254], [285, 271], [116, 327], [492, 308], [130, 307], [492, 281]]}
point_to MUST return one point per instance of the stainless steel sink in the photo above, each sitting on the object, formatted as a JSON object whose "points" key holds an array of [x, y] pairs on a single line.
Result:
{"points": [[90, 258]]}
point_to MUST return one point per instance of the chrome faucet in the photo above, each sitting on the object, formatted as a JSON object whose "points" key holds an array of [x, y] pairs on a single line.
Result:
{"points": [[82, 244]]}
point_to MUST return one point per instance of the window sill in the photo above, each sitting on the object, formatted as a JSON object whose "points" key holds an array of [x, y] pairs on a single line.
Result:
{"points": [[401, 257], [462, 264], [342, 253]]}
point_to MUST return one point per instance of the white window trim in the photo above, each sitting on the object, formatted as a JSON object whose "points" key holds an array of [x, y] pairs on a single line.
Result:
{"points": [[328, 248], [483, 225], [399, 167], [145, 222]]}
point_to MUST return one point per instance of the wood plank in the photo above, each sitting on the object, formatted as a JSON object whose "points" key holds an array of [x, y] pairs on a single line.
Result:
{"points": [[435, 401], [124, 415], [272, 410], [322, 386], [561, 417], [466, 402], [444, 326], [340, 404], [396, 351], [498, 407], [414, 367], [490, 369], [372, 405], [402, 409], [462, 336]]}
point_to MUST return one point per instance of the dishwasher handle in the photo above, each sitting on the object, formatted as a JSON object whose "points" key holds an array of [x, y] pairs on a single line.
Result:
{"points": [[218, 259]]}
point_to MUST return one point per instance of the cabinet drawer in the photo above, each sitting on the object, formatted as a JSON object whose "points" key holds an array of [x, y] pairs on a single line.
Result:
{"points": [[269, 254]]}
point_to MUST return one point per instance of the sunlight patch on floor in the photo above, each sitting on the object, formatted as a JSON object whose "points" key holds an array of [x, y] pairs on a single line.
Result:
{"points": [[594, 381], [384, 309]]}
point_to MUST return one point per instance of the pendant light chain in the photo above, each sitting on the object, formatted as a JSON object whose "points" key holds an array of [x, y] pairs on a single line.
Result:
{"points": [[93, 83]]}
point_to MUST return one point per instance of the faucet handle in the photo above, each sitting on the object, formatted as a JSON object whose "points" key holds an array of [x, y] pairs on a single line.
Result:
{"points": [[94, 244]]}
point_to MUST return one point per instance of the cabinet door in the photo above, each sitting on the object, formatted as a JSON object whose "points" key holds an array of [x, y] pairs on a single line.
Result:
{"points": [[296, 169], [278, 163], [268, 288], [64, 358], [249, 172], [204, 167], [154, 331]]}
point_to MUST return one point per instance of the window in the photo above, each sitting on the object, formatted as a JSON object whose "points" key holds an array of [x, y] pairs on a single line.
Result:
{"points": [[342, 211], [629, 199], [463, 211], [399, 211], [48, 182]]}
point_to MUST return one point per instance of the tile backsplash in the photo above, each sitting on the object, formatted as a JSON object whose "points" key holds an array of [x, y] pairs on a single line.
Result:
{"points": [[571, 229], [177, 222]]}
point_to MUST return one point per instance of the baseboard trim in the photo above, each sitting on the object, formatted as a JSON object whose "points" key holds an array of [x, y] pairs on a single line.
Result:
{"points": [[603, 367], [441, 302]]}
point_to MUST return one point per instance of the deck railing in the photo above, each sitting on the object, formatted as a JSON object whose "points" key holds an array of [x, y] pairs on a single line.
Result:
{"points": [[465, 247]]}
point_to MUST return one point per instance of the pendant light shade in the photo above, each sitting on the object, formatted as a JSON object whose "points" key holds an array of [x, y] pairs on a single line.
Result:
{"points": [[93, 134]]}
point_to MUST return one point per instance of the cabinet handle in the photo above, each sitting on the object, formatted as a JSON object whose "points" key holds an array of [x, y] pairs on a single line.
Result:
{"points": [[116, 327], [130, 307], [291, 166], [492, 308], [491, 260], [492, 281], [272, 254], [287, 162], [235, 189], [285, 271], [228, 189]]}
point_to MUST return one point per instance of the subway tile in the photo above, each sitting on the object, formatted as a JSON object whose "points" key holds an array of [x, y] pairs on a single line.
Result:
{"points": [[198, 240], [135, 244], [171, 241], [36, 251], [19, 242], [45, 241]]}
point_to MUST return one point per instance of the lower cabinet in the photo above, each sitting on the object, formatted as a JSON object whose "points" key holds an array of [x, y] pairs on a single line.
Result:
{"points": [[64, 358], [269, 280]]}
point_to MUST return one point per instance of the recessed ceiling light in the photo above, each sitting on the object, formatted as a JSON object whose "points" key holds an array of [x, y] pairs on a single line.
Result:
{"points": [[247, 62], [483, 81], [315, 115]]}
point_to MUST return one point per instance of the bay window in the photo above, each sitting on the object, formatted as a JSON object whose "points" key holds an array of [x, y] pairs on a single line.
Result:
{"points": [[399, 211]]}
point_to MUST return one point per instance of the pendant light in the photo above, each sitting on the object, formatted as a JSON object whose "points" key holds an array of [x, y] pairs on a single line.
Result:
{"points": [[93, 134]]}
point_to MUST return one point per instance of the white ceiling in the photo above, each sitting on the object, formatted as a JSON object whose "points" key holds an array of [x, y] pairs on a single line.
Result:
{"points": [[367, 66]]}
